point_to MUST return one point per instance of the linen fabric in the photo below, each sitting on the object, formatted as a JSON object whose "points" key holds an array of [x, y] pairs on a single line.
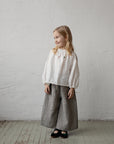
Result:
{"points": [[58, 111], [61, 69]]}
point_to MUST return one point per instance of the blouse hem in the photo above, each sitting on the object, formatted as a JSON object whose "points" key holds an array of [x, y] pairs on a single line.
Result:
{"points": [[59, 84]]}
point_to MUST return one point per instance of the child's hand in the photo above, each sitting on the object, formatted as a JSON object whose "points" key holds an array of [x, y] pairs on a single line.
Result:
{"points": [[71, 93], [47, 89]]}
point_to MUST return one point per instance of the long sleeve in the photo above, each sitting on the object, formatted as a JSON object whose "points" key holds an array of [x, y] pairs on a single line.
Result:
{"points": [[61, 69], [45, 72], [74, 73]]}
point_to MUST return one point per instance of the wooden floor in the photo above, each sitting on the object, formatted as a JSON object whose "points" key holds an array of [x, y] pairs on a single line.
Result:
{"points": [[31, 132]]}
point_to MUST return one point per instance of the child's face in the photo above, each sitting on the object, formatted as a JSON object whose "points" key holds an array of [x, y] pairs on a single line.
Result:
{"points": [[60, 41]]}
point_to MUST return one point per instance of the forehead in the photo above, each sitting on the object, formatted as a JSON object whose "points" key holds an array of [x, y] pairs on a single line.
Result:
{"points": [[56, 33]]}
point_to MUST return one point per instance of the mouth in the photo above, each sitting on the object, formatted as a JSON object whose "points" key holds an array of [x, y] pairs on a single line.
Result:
{"points": [[57, 43]]}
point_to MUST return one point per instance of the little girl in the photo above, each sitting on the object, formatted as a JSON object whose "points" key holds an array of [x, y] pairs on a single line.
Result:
{"points": [[61, 78]]}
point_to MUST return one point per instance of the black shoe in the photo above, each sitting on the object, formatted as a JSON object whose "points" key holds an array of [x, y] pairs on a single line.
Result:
{"points": [[55, 135], [64, 135]]}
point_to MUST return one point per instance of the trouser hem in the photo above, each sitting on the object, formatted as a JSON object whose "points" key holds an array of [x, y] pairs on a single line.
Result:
{"points": [[67, 129]]}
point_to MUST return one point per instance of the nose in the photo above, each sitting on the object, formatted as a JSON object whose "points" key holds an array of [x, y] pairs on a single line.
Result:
{"points": [[56, 41]]}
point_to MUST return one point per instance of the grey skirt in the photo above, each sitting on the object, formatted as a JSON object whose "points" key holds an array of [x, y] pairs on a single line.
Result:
{"points": [[58, 111]]}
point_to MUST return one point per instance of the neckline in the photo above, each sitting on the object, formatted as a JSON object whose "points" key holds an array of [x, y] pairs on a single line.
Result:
{"points": [[61, 49]]}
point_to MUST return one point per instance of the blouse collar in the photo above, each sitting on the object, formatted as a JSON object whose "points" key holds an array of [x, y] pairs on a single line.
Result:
{"points": [[61, 49]]}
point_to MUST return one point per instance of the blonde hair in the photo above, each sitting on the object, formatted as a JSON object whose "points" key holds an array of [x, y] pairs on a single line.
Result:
{"points": [[66, 33]]}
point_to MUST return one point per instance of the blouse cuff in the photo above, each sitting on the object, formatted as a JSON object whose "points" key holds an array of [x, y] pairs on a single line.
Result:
{"points": [[47, 83]]}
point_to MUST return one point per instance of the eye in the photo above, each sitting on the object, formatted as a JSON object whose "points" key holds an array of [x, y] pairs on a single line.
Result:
{"points": [[55, 37]]}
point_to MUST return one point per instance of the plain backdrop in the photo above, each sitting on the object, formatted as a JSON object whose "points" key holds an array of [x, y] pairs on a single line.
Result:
{"points": [[26, 36]]}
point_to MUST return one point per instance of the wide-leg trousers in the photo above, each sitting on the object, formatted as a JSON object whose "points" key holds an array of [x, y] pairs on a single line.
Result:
{"points": [[58, 111]]}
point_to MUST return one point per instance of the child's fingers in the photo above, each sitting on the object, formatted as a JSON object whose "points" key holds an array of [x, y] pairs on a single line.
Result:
{"points": [[48, 89], [69, 97], [69, 93]]}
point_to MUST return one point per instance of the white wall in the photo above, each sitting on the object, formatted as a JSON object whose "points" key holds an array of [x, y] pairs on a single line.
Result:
{"points": [[26, 33]]}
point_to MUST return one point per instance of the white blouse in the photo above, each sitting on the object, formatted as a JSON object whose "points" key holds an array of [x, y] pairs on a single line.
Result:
{"points": [[61, 69]]}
